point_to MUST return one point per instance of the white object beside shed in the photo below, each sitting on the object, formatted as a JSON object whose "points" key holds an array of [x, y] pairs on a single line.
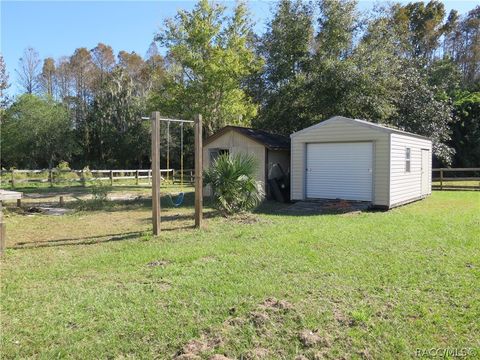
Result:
{"points": [[351, 159]]}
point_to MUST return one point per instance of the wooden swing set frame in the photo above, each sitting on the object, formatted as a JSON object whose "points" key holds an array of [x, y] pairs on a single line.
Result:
{"points": [[155, 119]]}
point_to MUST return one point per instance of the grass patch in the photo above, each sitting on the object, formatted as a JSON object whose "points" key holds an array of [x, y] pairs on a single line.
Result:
{"points": [[373, 285]]}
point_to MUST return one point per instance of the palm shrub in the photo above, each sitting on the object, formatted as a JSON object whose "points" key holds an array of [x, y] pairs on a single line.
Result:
{"points": [[233, 183]]}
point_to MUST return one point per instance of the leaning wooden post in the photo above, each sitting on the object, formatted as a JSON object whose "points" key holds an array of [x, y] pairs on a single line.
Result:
{"points": [[111, 177], [156, 172], [198, 172], [136, 177]]}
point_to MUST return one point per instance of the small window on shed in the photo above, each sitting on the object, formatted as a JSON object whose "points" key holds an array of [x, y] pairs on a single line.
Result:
{"points": [[215, 153], [407, 160]]}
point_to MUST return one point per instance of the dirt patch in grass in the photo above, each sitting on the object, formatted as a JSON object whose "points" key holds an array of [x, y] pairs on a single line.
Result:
{"points": [[310, 338], [207, 343], [219, 357], [258, 354], [187, 356], [341, 318], [259, 318], [275, 304], [156, 263]]}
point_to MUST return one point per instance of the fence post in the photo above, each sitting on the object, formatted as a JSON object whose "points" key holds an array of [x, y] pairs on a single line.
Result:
{"points": [[136, 177], [111, 177], [61, 201], [13, 179], [441, 179], [50, 177]]}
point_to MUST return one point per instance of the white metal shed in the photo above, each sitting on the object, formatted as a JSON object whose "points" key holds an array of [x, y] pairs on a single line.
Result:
{"points": [[351, 159]]}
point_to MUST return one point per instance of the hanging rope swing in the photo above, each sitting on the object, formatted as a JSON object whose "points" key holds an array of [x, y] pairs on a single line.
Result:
{"points": [[181, 195]]}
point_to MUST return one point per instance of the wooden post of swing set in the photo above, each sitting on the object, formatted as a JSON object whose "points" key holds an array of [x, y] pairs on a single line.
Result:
{"points": [[155, 118], [198, 172]]}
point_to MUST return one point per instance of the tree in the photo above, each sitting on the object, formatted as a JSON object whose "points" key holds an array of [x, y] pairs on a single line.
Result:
{"points": [[210, 56], [338, 24], [285, 48], [81, 67], [64, 79], [419, 112], [118, 135], [103, 58], [338, 78], [47, 77], [422, 26], [36, 133], [28, 71], [445, 76], [466, 129], [471, 55], [4, 85], [462, 43]]}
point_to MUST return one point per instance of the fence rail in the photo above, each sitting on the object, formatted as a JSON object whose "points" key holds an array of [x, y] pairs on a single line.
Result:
{"points": [[57, 176], [446, 178], [457, 179]]}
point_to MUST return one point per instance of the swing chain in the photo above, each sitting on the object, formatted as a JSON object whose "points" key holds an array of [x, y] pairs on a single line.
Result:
{"points": [[181, 156]]}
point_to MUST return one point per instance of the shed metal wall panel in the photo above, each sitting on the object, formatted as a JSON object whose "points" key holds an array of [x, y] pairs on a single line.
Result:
{"points": [[406, 186], [342, 131]]}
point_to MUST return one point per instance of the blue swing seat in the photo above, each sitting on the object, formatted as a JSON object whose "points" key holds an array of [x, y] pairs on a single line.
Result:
{"points": [[178, 201]]}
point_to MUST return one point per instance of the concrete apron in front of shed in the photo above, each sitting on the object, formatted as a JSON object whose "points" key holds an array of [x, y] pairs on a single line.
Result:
{"points": [[327, 206]]}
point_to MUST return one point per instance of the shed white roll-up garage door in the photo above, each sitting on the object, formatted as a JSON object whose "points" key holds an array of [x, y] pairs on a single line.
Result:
{"points": [[339, 171]]}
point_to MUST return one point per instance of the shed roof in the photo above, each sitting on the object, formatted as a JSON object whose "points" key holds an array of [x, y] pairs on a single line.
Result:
{"points": [[382, 128], [269, 140]]}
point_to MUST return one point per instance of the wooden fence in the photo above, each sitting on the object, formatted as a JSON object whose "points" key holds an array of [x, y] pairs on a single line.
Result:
{"points": [[456, 179], [443, 178], [55, 176]]}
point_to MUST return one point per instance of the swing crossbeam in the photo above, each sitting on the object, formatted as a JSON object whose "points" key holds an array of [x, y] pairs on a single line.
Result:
{"points": [[173, 120]]}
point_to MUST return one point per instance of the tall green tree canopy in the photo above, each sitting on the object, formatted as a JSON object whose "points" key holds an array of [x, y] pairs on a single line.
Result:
{"points": [[36, 133], [280, 87], [210, 56]]}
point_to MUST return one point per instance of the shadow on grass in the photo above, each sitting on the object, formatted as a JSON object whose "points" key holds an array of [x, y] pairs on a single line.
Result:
{"points": [[91, 240]]}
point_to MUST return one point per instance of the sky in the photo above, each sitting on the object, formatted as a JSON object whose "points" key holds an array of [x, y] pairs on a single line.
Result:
{"points": [[57, 28]]}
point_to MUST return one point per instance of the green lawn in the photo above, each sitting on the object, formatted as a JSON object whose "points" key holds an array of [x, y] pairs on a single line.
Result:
{"points": [[374, 285]]}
